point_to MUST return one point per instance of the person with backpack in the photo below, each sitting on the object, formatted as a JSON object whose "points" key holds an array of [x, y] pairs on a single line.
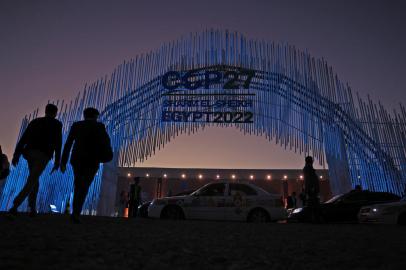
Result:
{"points": [[91, 146], [40, 140]]}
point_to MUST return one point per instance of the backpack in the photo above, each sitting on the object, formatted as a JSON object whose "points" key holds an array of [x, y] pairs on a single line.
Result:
{"points": [[105, 152]]}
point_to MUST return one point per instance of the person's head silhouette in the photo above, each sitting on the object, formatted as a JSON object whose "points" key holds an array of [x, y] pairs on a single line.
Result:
{"points": [[51, 110], [358, 188], [309, 160], [91, 114]]}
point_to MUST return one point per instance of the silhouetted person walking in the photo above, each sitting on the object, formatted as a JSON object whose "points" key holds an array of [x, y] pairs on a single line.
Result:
{"points": [[135, 198], [312, 188], [91, 146], [40, 140]]}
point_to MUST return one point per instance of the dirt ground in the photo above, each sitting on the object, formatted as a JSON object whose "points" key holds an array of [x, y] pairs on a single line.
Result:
{"points": [[52, 242]]}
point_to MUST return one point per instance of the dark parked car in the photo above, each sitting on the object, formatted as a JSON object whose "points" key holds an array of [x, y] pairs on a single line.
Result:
{"points": [[143, 208], [344, 207]]}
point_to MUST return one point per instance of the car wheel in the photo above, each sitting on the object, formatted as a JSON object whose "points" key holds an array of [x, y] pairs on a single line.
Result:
{"points": [[258, 216], [172, 212], [402, 219]]}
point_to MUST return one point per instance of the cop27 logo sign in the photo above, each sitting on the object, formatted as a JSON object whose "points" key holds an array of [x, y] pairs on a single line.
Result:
{"points": [[211, 96], [192, 80]]}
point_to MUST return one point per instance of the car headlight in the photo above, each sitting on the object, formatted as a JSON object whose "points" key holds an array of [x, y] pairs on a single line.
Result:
{"points": [[158, 202], [297, 210]]}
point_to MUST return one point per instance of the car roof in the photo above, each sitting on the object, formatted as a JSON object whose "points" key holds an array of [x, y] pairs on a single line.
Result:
{"points": [[369, 192]]}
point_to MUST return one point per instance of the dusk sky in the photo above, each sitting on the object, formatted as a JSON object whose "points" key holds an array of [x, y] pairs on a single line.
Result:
{"points": [[50, 49]]}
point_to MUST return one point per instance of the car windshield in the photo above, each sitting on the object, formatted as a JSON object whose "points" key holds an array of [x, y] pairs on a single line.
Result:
{"points": [[334, 199]]}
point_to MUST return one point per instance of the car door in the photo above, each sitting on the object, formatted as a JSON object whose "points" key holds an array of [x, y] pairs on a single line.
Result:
{"points": [[239, 199], [208, 202], [348, 207]]}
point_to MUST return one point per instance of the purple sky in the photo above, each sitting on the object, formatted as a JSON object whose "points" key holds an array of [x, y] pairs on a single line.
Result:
{"points": [[50, 49]]}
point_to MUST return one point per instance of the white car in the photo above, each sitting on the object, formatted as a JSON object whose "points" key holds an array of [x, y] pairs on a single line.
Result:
{"points": [[221, 201], [385, 213]]}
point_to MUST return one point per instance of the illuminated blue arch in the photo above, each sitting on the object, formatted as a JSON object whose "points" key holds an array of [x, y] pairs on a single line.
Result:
{"points": [[299, 103]]}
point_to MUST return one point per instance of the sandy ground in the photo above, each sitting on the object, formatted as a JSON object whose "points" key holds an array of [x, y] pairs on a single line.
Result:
{"points": [[52, 242]]}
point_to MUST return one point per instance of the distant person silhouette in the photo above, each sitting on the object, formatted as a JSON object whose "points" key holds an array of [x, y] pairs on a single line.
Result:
{"points": [[357, 188], [123, 203], [135, 198], [40, 140], [302, 197], [312, 188], [291, 201], [4, 165], [91, 146]]}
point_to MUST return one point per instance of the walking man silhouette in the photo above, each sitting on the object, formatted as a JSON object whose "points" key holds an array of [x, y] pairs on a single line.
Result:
{"points": [[312, 188], [91, 146], [40, 140], [135, 198]]}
